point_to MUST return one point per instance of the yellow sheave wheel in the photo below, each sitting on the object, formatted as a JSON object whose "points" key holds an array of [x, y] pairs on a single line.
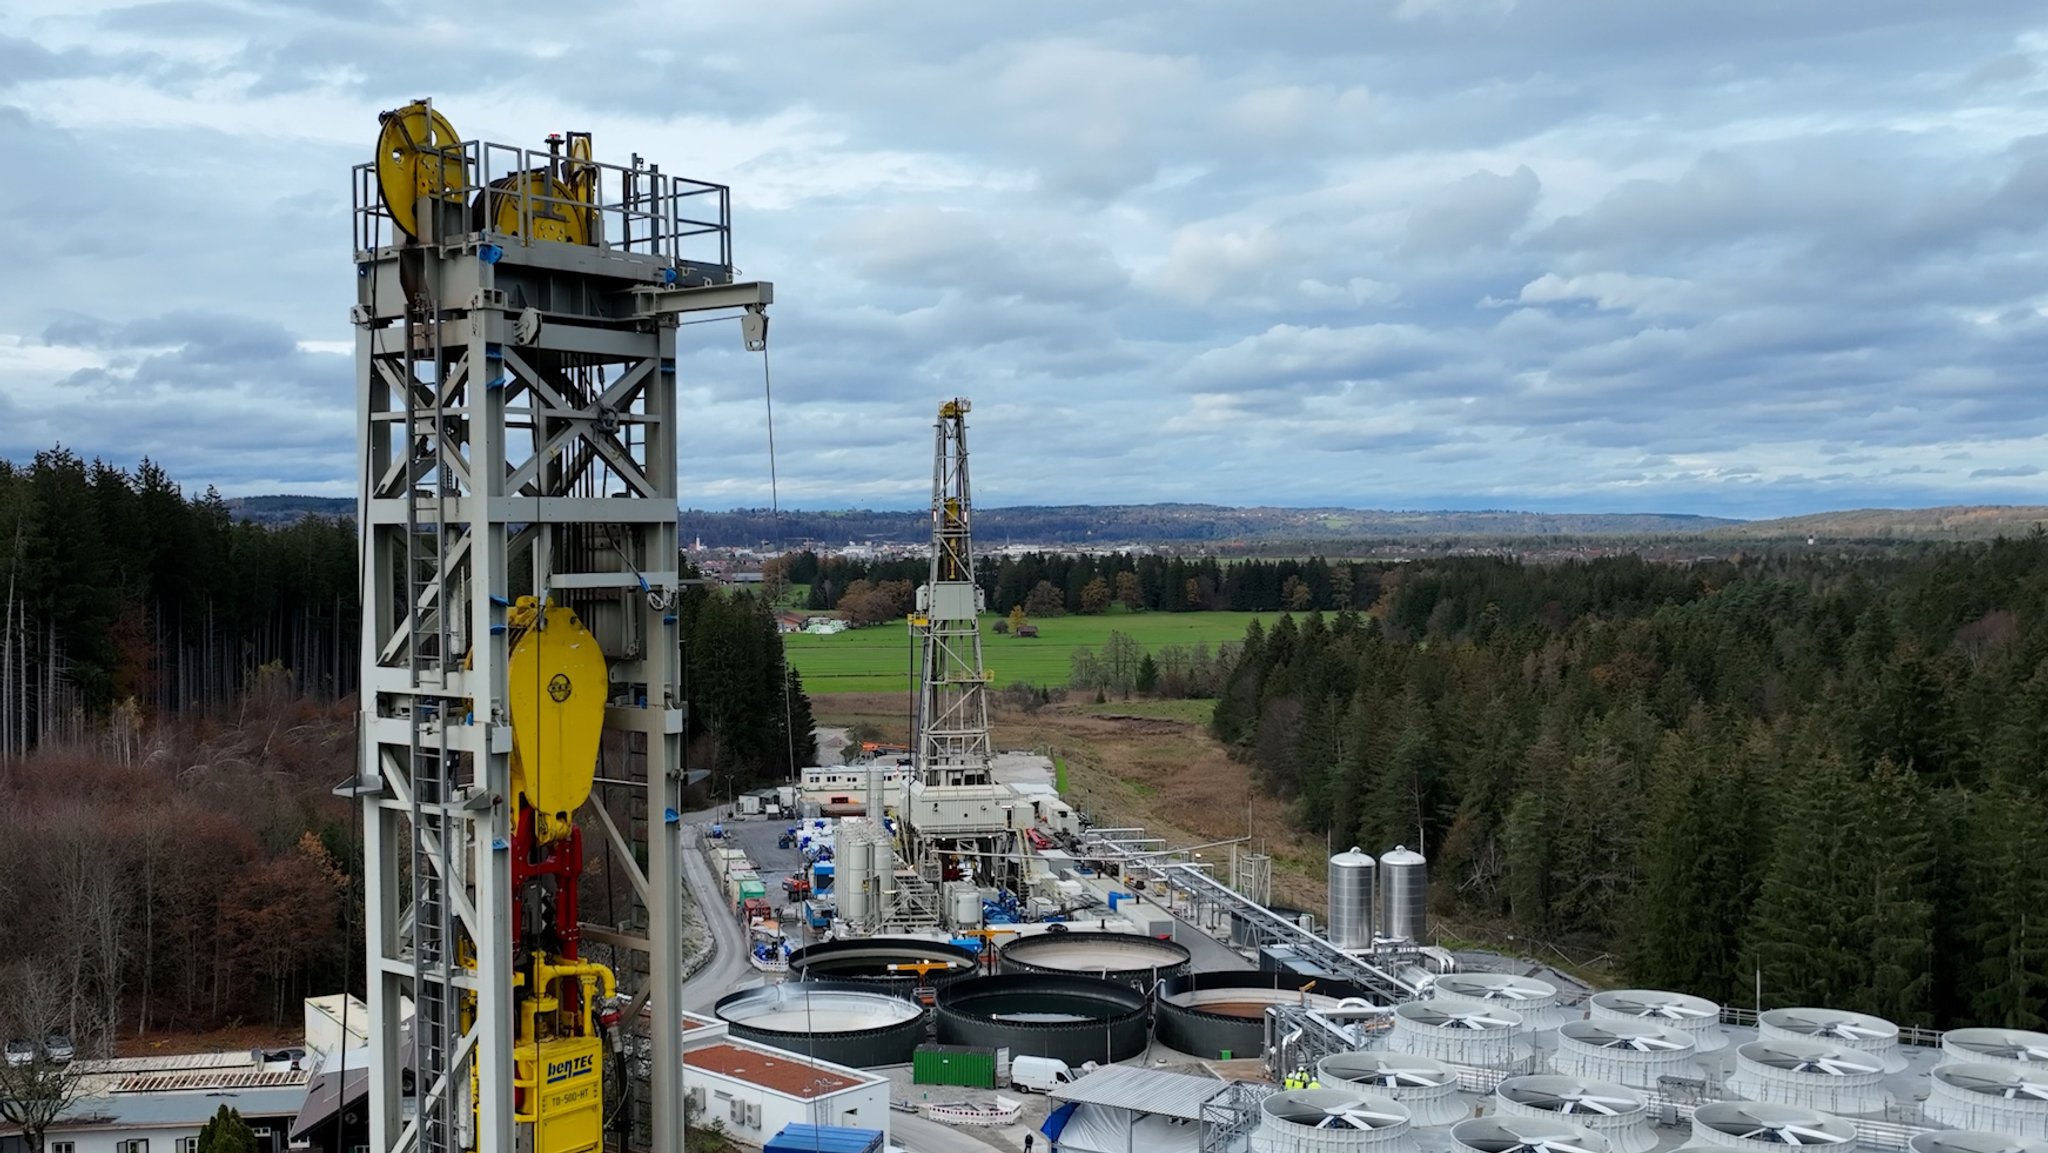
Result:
{"points": [[560, 219], [418, 155]]}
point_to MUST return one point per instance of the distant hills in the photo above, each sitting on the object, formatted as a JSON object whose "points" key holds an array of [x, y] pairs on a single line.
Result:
{"points": [[1198, 525]]}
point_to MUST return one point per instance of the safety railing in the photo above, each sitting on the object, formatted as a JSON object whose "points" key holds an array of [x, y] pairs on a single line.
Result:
{"points": [[507, 194]]}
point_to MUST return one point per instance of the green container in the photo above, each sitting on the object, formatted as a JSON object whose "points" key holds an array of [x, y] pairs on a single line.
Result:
{"points": [[968, 1066], [752, 889]]}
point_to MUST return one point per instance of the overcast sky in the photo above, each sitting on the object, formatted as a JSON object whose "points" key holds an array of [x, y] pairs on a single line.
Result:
{"points": [[1742, 257]]}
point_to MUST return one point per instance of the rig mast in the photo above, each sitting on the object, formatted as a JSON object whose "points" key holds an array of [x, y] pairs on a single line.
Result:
{"points": [[952, 699], [517, 416]]}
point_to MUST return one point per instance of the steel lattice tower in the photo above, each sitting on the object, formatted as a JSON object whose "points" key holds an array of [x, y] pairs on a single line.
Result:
{"points": [[517, 418], [952, 702]]}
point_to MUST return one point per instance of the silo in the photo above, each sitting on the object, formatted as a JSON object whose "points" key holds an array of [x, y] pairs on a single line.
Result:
{"points": [[856, 881], [1404, 895], [1351, 891]]}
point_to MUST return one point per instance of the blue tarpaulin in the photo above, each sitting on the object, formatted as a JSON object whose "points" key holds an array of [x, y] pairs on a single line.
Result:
{"points": [[1056, 1121], [823, 1139]]}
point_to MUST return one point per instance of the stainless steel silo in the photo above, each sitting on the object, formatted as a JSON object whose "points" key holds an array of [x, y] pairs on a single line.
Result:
{"points": [[1351, 899], [1404, 895]]}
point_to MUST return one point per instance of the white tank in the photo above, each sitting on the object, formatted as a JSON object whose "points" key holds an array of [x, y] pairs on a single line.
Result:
{"points": [[1499, 1134], [1766, 1128], [1425, 1085], [855, 879], [1804, 1071], [1994, 1098], [1614, 1112], [1351, 899], [1533, 1000], [2016, 1047], [1860, 1031], [1331, 1121], [1679, 1012], [1404, 895], [1467, 1035], [1631, 1053]]}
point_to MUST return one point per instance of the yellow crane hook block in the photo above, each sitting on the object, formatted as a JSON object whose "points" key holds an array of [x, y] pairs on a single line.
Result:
{"points": [[557, 696]]}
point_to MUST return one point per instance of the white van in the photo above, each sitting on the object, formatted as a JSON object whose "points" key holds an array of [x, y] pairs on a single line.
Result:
{"points": [[1039, 1074]]}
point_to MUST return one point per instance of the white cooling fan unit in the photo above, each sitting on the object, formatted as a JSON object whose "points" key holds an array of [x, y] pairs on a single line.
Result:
{"points": [[1995, 1098], [1696, 1017], [1449, 1015], [2000, 1046], [1969, 1141], [1471, 1035], [1534, 1000], [1860, 1031], [1633, 1053], [1346, 1112], [1332, 1121], [1749, 1123], [1817, 1074], [1611, 1111], [1426, 1087], [1499, 1134]]}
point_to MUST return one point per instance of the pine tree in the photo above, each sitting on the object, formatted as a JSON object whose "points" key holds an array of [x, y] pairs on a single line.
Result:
{"points": [[2006, 881], [227, 1133]]}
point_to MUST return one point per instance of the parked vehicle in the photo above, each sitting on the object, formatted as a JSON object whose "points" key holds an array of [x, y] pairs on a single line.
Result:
{"points": [[21, 1052], [59, 1048], [1039, 1074]]}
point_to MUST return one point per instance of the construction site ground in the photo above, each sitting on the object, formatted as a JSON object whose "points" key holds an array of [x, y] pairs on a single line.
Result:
{"points": [[1137, 762]]}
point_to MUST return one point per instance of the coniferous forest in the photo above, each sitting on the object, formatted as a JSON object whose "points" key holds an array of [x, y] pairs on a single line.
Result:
{"points": [[1828, 776], [176, 705]]}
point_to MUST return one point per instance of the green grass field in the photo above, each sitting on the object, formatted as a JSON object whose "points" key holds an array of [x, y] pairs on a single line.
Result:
{"points": [[879, 659]]}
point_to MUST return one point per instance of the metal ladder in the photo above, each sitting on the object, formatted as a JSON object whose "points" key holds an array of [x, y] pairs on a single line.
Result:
{"points": [[436, 1023]]}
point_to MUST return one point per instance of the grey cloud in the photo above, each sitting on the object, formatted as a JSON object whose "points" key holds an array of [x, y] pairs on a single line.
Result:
{"points": [[2010, 470], [1795, 242], [1477, 211]]}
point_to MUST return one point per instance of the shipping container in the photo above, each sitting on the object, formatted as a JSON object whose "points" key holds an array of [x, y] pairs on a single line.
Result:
{"points": [[967, 1066], [823, 1139]]}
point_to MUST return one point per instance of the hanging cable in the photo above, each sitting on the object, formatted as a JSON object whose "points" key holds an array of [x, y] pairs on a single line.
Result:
{"points": [[782, 544]]}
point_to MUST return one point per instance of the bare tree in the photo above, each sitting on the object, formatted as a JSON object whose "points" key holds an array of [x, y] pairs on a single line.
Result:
{"points": [[36, 1091]]}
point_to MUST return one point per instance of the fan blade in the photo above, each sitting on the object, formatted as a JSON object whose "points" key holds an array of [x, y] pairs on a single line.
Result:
{"points": [[1815, 1134]]}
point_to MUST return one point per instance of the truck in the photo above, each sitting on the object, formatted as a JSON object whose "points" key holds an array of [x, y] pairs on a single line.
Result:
{"points": [[1042, 1074], [797, 886]]}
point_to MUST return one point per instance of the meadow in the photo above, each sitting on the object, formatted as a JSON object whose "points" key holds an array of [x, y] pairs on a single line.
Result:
{"points": [[879, 658]]}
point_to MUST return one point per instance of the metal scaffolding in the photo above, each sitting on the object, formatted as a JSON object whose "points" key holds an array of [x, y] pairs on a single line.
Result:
{"points": [[517, 418]]}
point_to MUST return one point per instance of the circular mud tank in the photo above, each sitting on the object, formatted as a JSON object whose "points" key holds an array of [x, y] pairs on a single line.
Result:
{"points": [[1128, 957], [1074, 1019], [1208, 1014], [867, 962], [838, 1021]]}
